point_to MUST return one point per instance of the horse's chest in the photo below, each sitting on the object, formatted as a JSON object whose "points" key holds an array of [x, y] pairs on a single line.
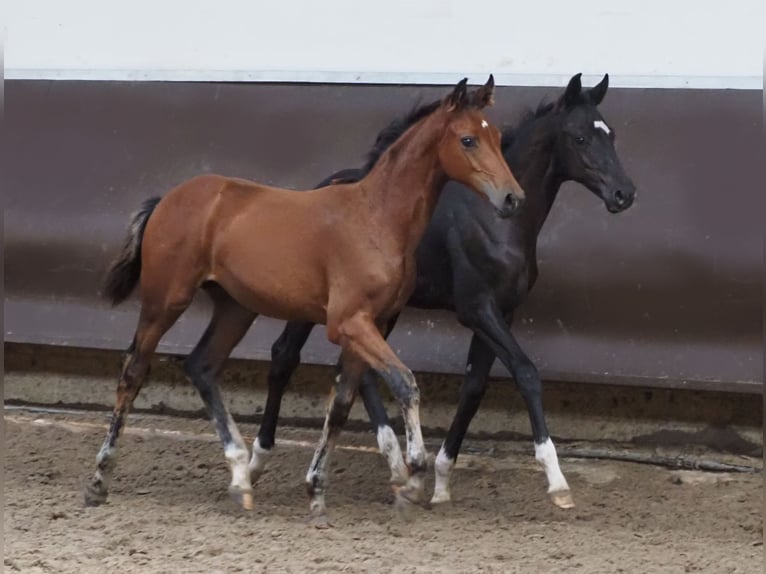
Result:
{"points": [[511, 288], [506, 272]]}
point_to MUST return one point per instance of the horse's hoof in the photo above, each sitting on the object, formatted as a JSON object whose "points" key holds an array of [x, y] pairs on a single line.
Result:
{"points": [[243, 498], [441, 497], [321, 522], [406, 499], [415, 495], [95, 495], [403, 507], [562, 498]]}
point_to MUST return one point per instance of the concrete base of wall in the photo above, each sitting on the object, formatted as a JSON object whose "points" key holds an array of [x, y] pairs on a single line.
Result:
{"points": [[66, 377]]}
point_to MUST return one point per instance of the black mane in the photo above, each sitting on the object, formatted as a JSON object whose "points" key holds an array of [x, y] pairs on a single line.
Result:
{"points": [[395, 129], [512, 134]]}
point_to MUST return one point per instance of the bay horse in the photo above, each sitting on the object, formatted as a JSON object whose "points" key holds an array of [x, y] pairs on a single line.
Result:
{"points": [[482, 266], [341, 255]]}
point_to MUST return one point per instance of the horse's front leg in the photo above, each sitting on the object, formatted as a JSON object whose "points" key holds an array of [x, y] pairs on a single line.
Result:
{"points": [[376, 410], [478, 365], [362, 338], [387, 441]]}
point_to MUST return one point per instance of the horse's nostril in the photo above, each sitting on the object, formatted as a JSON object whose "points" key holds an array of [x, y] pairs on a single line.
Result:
{"points": [[511, 202], [619, 197]]}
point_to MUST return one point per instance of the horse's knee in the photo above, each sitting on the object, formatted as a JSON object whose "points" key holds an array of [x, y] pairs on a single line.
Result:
{"points": [[283, 362], [528, 380], [340, 408], [473, 388], [199, 371], [469, 311], [405, 388], [285, 358], [193, 366], [135, 369]]}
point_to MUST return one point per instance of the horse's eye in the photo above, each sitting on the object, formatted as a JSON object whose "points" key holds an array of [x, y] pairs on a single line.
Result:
{"points": [[468, 142], [580, 140]]}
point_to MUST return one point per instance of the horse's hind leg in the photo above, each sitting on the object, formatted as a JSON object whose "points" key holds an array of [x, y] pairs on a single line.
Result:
{"points": [[228, 325], [154, 321], [285, 358], [341, 400]]}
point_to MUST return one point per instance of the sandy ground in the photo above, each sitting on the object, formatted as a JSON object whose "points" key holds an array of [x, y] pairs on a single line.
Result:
{"points": [[169, 511]]}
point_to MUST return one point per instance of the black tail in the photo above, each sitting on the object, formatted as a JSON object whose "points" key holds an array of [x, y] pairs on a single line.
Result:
{"points": [[124, 271]]}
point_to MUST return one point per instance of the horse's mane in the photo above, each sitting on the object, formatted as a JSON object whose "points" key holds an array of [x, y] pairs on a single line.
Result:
{"points": [[395, 129], [512, 134]]}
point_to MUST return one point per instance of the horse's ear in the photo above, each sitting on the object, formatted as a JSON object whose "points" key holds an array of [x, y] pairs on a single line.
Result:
{"points": [[484, 96], [571, 95], [459, 96], [596, 93]]}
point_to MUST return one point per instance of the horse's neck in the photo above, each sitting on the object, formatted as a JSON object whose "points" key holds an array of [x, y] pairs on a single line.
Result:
{"points": [[403, 187], [532, 160]]}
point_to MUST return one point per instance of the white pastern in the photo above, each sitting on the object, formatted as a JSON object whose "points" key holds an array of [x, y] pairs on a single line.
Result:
{"points": [[237, 459], [106, 453], [389, 448], [104, 465], [442, 471], [601, 125], [545, 454], [259, 457]]}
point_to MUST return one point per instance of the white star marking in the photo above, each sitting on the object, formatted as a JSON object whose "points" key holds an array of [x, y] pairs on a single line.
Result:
{"points": [[601, 125]]}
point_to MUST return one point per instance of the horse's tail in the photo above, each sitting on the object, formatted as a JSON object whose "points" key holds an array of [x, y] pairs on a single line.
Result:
{"points": [[124, 272]]}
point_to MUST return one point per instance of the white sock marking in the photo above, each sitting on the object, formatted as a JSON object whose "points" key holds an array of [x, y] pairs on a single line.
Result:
{"points": [[443, 471], [389, 448], [237, 458], [259, 457], [545, 454], [416, 450], [601, 125], [106, 452]]}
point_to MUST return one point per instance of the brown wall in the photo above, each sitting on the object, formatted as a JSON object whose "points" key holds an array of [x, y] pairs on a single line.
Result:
{"points": [[668, 293]]}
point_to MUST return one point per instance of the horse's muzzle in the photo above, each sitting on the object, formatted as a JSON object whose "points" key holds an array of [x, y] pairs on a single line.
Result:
{"points": [[511, 204]]}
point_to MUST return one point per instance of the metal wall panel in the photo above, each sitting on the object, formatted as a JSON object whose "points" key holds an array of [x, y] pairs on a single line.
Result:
{"points": [[668, 293]]}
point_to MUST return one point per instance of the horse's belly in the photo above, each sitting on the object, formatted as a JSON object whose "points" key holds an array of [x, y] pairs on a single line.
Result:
{"points": [[278, 278], [275, 295]]}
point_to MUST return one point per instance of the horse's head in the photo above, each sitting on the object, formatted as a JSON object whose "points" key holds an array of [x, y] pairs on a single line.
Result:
{"points": [[469, 151], [585, 149]]}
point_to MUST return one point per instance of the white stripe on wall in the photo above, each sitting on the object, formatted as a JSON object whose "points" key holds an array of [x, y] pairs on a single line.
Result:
{"points": [[641, 43], [553, 80]]}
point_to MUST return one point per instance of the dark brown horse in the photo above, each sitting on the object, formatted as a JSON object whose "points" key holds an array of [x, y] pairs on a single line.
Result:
{"points": [[342, 255]]}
